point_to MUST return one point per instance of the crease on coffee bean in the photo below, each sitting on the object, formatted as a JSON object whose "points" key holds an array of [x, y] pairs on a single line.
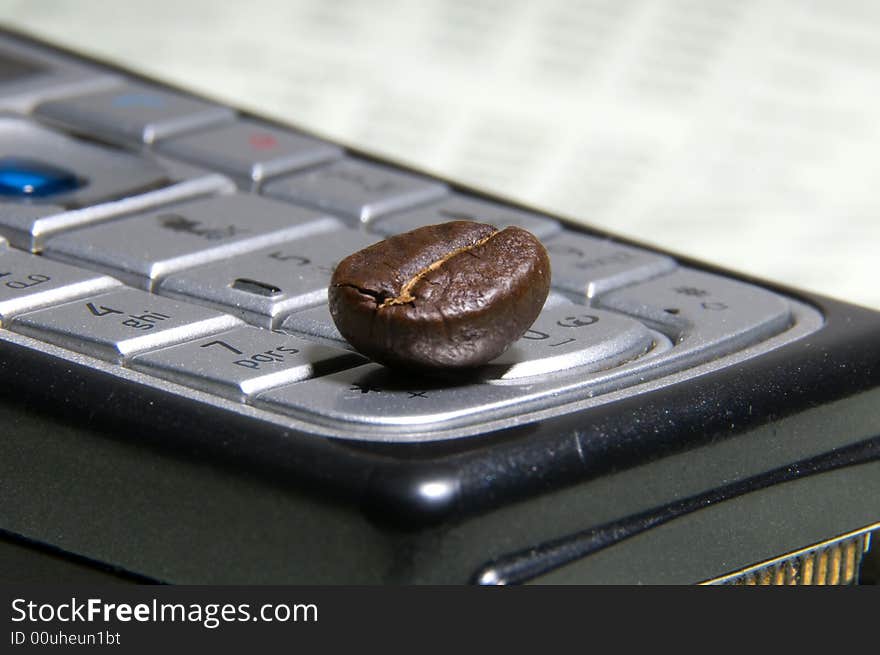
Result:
{"points": [[377, 296], [405, 295]]}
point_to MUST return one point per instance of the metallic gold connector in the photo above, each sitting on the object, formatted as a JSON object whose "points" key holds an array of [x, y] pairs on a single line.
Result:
{"points": [[832, 562]]}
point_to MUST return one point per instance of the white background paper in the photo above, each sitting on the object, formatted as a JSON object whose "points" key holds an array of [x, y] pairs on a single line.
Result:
{"points": [[741, 133]]}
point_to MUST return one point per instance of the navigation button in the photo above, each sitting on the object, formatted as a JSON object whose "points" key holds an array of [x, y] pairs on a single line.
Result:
{"points": [[23, 177], [29, 226], [43, 166]]}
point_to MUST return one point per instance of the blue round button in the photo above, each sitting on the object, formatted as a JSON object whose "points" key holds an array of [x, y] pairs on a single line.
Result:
{"points": [[21, 177]]}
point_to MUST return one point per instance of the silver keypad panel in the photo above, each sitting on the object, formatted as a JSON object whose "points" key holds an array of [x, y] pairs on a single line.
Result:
{"points": [[197, 258]]}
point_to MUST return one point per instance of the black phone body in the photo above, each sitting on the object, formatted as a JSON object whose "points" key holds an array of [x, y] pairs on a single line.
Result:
{"points": [[695, 476]]}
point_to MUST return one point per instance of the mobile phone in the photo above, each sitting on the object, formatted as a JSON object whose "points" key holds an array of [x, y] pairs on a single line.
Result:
{"points": [[178, 407]]}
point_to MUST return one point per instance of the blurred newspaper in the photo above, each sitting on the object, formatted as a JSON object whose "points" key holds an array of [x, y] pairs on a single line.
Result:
{"points": [[741, 133]]}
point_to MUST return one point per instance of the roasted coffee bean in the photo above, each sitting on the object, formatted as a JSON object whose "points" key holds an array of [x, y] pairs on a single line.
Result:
{"points": [[448, 296]]}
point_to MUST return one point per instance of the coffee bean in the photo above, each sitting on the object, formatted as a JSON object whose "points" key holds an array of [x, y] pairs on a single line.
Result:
{"points": [[448, 296]]}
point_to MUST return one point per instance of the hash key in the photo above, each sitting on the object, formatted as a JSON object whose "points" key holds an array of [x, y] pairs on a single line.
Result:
{"points": [[706, 315]]}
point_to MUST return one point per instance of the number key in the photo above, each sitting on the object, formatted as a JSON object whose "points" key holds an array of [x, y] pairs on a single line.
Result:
{"points": [[356, 189], [244, 361], [118, 325], [591, 266], [707, 315], [263, 287], [249, 151], [569, 336], [29, 282]]}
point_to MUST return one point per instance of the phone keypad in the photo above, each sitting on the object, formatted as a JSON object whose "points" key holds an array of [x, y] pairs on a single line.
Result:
{"points": [[216, 280]]}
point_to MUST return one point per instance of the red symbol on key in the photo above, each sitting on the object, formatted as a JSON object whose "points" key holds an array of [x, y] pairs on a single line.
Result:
{"points": [[262, 141]]}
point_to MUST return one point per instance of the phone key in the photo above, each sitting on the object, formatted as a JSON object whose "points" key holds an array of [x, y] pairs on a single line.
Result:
{"points": [[374, 395], [18, 221], [705, 315], [95, 173], [134, 113], [264, 286], [315, 323], [591, 266], [144, 248], [572, 337], [29, 226], [244, 362], [29, 282], [250, 151], [356, 189], [457, 207], [117, 325], [32, 73]]}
